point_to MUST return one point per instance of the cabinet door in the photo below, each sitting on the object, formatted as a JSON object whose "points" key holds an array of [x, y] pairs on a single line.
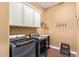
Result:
{"points": [[15, 14], [28, 16], [37, 19]]}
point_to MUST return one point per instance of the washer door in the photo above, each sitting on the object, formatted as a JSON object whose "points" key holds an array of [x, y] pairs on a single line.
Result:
{"points": [[27, 50]]}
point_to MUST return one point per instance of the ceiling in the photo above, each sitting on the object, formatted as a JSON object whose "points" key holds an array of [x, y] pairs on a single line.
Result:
{"points": [[47, 4]]}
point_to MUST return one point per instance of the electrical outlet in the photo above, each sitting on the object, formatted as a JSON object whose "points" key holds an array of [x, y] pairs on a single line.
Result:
{"points": [[50, 32], [59, 44]]}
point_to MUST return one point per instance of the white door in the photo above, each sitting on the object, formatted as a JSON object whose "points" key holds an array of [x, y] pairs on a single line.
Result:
{"points": [[37, 19], [28, 16], [15, 13]]}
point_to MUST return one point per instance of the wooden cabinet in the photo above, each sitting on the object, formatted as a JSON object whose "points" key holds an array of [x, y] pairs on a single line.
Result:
{"points": [[23, 15], [15, 14], [37, 18], [28, 16]]}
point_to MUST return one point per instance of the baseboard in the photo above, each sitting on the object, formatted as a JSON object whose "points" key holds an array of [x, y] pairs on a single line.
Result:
{"points": [[57, 48]]}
